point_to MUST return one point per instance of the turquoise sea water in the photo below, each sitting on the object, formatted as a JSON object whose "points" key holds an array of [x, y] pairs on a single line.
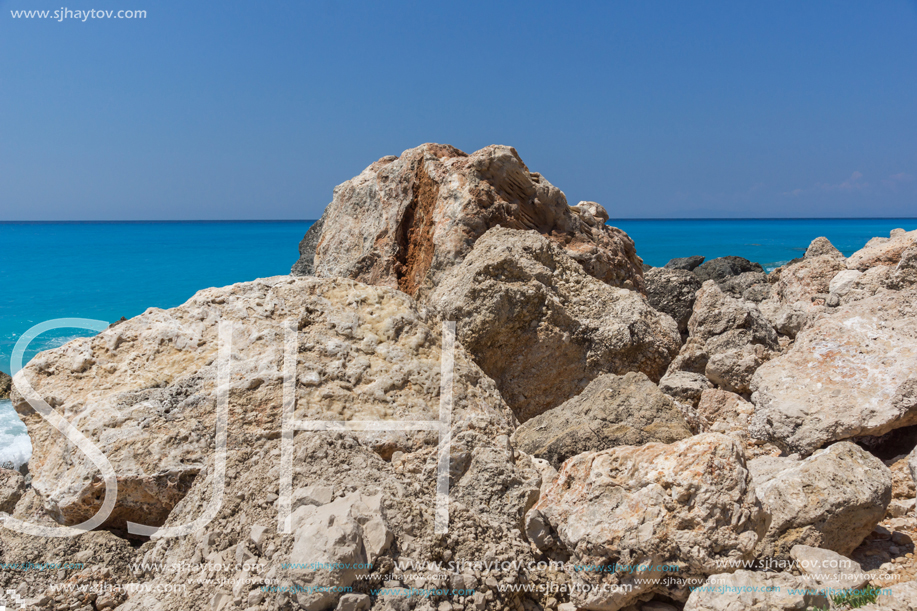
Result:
{"points": [[105, 271]]}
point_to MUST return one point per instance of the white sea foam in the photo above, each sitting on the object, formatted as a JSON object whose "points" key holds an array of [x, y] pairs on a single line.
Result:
{"points": [[15, 445]]}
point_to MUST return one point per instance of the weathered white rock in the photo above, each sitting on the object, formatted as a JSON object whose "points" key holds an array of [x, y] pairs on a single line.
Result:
{"points": [[832, 499], [689, 504], [882, 251], [333, 547], [850, 373], [751, 591], [542, 328], [828, 569], [405, 221], [843, 281]]}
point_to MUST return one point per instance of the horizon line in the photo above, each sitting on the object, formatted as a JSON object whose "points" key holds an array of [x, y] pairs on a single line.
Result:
{"points": [[737, 218]]}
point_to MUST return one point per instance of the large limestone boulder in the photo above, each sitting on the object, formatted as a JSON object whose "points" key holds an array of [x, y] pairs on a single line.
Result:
{"points": [[832, 499], [542, 328], [612, 411], [850, 373], [145, 391], [754, 591], [729, 340], [672, 291], [688, 505], [406, 221], [882, 251], [5, 384]]}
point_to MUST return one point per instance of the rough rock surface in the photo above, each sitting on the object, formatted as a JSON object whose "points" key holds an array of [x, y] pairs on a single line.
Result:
{"points": [[689, 504], [5, 385], [684, 386], [828, 569], [406, 221], [787, 319], [144, 391], [612, 411], [882, 251], [842, 282], [12, 487], [724, 412], [811, 276], [820, 247], [541, 328], [832, 499], [850, 373], [725, 267], [901, 597], [305, 266], [672, 291], [365, 353], [746, 282], [729, 340], [912, 463], [753, 591], [904, 274], [96, 559], [685, 263]]}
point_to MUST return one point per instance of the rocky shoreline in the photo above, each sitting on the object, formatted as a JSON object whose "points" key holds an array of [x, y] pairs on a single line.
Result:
{"points": [[703, 435]]}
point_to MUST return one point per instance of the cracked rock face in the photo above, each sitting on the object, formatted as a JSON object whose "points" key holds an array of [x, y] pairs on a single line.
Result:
{"points": [[850, 373], [689, 504], [145, 391], [542, 328], [405, 221]]}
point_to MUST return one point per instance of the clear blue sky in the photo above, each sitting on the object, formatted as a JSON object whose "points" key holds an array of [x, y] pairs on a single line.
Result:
{"points": [[256, 110]]}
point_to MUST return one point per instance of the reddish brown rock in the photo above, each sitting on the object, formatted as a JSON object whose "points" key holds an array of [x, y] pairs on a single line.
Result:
{"points": [[405, 221]]}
